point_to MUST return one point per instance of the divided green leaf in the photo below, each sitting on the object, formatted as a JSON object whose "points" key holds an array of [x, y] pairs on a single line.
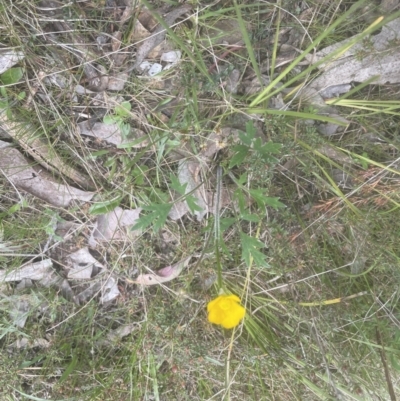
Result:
{"points": [[250, 251], [157, 216]]}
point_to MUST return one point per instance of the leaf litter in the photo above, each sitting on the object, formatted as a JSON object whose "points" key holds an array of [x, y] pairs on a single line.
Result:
{"points": [[87, 277], [18, 171]]}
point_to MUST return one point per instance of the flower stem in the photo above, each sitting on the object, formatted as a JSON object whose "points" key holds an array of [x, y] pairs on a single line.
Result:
{"points": [[217, 227]]}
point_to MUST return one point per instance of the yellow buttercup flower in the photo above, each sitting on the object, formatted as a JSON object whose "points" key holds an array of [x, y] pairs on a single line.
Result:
{"points": [[226, 311]]}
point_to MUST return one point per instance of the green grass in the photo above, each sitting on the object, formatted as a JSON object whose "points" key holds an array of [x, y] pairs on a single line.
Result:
{"points": [[315, 262]]}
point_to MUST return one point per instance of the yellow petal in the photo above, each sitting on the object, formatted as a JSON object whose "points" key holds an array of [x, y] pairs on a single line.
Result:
{"points": [[212, 303], [215, 317], [234, 317], [226, 311]]}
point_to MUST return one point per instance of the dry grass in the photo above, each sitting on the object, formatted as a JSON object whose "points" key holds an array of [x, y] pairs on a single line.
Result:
{"points": [[322, 317]]}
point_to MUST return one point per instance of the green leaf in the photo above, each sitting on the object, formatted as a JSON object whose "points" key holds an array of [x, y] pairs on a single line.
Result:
{"points": [[70, 368], [125, 130], [109, 119], [239, 156], [98, 153], [131, 144], [241, 199], [258, 196], [250, 217], [176, 185], [270, 147], [274, 202], [225, 223], [250, 129], [105, 207], [21, 95], [12, 76], [250, 251], [245, 138], [192, 204], [267, 150], [123, 109], [262, 200], [157, 216], [242, 179]]}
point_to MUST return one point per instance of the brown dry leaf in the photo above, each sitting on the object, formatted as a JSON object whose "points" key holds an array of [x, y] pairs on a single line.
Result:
{"points": [[9, 58], [224, 31], [147, 18], [25, 343], [88, 293], [335, 154], [117, 57], [41, 152], [189, 170], [358, 64], [111, 133], [116, 41], [32, 271], [310, 96], [252, 85], [189, 174], [163, 275], [139, 32], [157, 36], [178, 210], [115, 226], [117, 82], [18, 171], [128, 12], [109, 290], [19, 308], [232, 81], [82, 265], [115, 336]]}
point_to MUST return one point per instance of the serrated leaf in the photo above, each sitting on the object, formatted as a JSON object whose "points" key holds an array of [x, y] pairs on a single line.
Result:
{"points": [[267, 150], [250, 128], [12, 76], [105, 207], [242, 179], [241, 152], [274, 202], [250, 217], [226, 222], [262, 200], [241, 200], [192, 204], [157, 217], [250, 251], [176, 185], [246, 138], [258, 196], [270, 147], [224, 249]]}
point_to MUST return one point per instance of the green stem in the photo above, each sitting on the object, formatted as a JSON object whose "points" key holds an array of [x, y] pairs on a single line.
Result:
{"points": [[217, 227]]}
